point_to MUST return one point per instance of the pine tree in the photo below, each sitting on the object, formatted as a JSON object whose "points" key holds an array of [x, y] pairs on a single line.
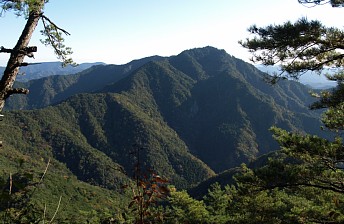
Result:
{"points": [[305, 165], [33, 11], [299, 47]]}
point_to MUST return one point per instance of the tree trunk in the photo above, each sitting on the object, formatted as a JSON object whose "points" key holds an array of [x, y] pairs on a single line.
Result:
{"points": [[17, 57]]}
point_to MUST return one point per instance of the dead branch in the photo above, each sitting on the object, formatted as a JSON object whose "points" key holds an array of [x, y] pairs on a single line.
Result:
{"points": [[17, 91]]}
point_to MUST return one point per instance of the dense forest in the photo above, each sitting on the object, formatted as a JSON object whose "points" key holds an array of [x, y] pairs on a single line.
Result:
{"points": [[199, 137]]}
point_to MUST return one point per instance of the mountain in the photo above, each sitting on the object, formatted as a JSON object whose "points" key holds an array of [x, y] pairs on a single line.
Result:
{"points": [[219, 105], [53, 89], [25, 155], [190, 116], [310, 79], [45, 69]]}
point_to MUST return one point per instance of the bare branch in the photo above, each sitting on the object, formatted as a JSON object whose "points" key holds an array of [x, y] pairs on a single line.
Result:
{"points": [[5, 50], [45, 171], [17, 91], [11, 183], [57, 209]]}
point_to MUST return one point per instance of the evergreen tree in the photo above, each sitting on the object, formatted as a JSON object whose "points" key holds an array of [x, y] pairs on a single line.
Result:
{"points": [[306, 166], [33, 11], [218, 202], [184, 209], [299, 47]]}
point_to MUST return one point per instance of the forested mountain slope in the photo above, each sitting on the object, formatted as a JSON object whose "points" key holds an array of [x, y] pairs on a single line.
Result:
{"points": [[191, 115], [219, 106], [53, 89]]}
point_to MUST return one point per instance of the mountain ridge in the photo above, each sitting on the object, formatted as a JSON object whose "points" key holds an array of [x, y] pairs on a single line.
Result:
{"points": [[194, 114], [46, 69], [53, 89]]}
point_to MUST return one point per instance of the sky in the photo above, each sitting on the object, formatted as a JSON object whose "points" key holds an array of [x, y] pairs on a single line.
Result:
{"points": [[118, 31]]}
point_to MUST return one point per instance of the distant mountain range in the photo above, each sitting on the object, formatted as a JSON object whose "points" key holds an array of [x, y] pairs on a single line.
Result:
{"points": [[310, 79], [45, 69], [191, 116]]}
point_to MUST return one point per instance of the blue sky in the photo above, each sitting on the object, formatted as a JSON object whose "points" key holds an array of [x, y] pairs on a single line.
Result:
{"points": [[118, 31]]}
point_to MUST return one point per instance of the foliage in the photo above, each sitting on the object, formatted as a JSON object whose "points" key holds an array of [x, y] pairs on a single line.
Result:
{"points": [[148, 190], [54, 39], [297, 47], [33, 199], [308, 168], [303, 46], [303, 161], [284, 198], [16, 203], [184, 209], [22, 8], [334, 3], [333, 117], [218, 202]]}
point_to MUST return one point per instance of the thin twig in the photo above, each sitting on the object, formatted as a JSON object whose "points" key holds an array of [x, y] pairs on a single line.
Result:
{"points": [[11, 182], [37, 184], [45, 209], [58, 206], [45, 171]]}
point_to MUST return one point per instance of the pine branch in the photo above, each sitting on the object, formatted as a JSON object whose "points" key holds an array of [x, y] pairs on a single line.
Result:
{"points": [[52, 23], [54, 39]]}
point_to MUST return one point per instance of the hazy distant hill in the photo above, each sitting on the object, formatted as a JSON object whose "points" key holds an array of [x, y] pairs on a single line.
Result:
{"points": [[191, 114], [310, 79], [46, 69]]}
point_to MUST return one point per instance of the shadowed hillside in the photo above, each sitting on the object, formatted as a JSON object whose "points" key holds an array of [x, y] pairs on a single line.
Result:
{"points": [[191, 114]]}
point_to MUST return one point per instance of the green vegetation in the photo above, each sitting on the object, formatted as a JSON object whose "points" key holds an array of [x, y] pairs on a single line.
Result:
{"points": [[186, 125], [25, 194], [307, 170]]}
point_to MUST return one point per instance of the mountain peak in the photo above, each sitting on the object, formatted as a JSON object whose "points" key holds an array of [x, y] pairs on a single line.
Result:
{"points": [[205, 51]]}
